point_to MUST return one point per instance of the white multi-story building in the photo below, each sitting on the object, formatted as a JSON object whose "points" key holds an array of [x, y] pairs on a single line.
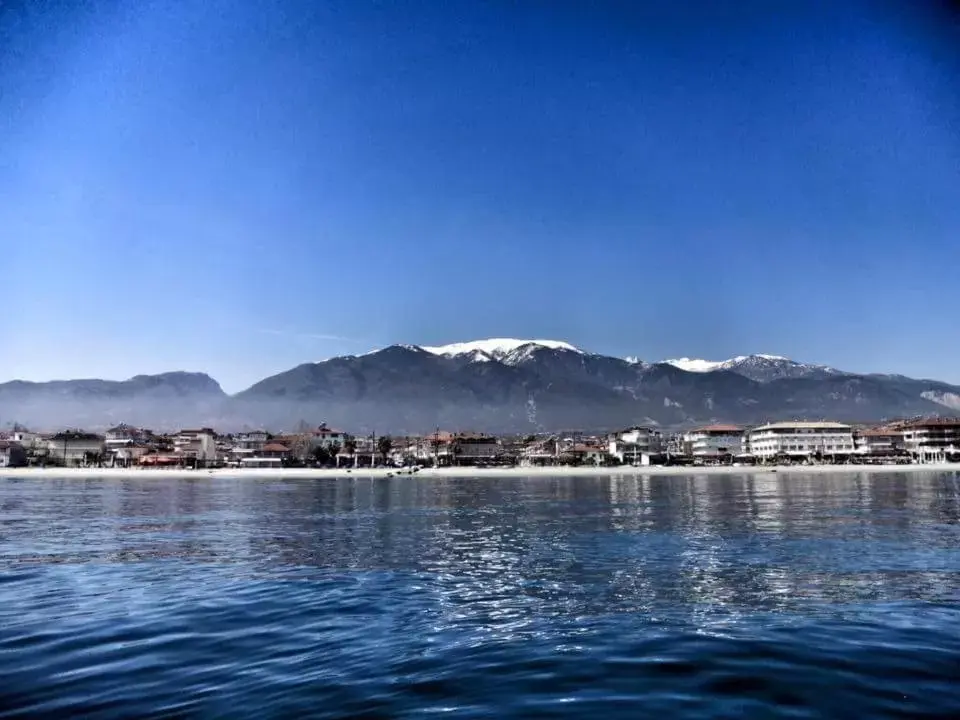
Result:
{"points": [[879, 442], [251, 442], [715, 441], [198, 445], [800, 439], [933, 439], [635, 444], [122, 435], [473, 448]]}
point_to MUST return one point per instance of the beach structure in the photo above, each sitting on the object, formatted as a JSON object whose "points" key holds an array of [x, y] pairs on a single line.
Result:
{"points": [[75, 447], [879, 442], [712, 442], [198, 447], [800, 440], [932, 440], [635, 445]]}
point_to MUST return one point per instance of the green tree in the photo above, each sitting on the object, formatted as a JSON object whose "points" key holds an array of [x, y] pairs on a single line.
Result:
{"points": [[350, 446], [321, 455], [384, 446]]}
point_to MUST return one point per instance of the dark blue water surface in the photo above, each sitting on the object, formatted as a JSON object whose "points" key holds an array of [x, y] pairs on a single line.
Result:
{"points": [[678, 597]]}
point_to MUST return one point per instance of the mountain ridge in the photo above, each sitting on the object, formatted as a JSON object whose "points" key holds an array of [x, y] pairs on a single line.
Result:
{"points": [[501, 384]]}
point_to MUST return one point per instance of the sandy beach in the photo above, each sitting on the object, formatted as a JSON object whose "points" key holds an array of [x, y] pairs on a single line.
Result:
{"points": [[462, 472]]}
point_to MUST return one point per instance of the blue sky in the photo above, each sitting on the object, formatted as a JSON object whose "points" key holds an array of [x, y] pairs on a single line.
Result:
{"points": [[239, 187]]}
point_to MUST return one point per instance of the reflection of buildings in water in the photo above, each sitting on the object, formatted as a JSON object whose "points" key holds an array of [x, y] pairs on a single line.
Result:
{"points": [[493, 557], [766, 502], [629, 497], [699, 497]]}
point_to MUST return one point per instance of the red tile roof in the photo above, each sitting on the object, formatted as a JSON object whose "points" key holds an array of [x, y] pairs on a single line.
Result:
{"points": [[880, 432], [276, 447], [442, 436], [931, 422]]}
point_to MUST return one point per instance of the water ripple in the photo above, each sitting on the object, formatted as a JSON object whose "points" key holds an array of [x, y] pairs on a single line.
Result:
{"points": [[796, 596]]}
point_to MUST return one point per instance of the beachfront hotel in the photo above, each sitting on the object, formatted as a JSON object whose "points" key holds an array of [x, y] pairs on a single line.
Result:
{"points": [[714, 441], [799, 439], [932, 439]]}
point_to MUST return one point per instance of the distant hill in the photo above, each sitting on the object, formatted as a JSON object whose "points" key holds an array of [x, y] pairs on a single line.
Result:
{"points": [[166, 400]]}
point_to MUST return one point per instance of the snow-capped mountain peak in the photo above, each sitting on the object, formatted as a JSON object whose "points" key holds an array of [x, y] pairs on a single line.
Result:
{"points": [[759, 366], [700, 365], [496, 348]]}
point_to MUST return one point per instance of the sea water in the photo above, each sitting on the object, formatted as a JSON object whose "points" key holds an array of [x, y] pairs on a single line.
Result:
{"points": [[774, 595]]}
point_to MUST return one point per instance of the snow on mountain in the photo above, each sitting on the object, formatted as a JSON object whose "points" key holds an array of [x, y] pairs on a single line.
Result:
{"points": [[495, 348], [477, 356], [760, 367], [696, 364]]}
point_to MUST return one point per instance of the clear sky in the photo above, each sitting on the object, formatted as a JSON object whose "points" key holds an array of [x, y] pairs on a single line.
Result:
{"points": [[238, 187]]}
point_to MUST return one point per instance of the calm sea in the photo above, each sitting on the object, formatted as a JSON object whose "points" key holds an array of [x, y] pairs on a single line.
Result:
{"points": [[674, 597]]}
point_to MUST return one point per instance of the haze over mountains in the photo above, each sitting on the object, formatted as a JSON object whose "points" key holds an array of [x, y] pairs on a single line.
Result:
{"points": [[500, 385]]}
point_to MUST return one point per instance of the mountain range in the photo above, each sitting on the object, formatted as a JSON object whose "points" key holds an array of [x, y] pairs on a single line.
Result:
{"points": [[502, 385]]}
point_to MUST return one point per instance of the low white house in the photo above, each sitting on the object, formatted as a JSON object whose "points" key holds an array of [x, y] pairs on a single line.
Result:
{"points": [[123, 434], [6, 449], [73, 447], [261, 462], [129, 454], [327, 437], [800, 439], [28, 440]]}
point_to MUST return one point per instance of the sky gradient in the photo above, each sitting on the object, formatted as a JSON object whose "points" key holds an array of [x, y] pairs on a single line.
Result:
{"points": [[238, 187]]}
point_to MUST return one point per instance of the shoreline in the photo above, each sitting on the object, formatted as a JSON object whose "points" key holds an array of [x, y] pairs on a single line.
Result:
{"points": [[460, 472]]}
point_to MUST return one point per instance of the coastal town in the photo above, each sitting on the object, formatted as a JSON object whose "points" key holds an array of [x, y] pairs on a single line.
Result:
{"points": [[910, 441]]}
